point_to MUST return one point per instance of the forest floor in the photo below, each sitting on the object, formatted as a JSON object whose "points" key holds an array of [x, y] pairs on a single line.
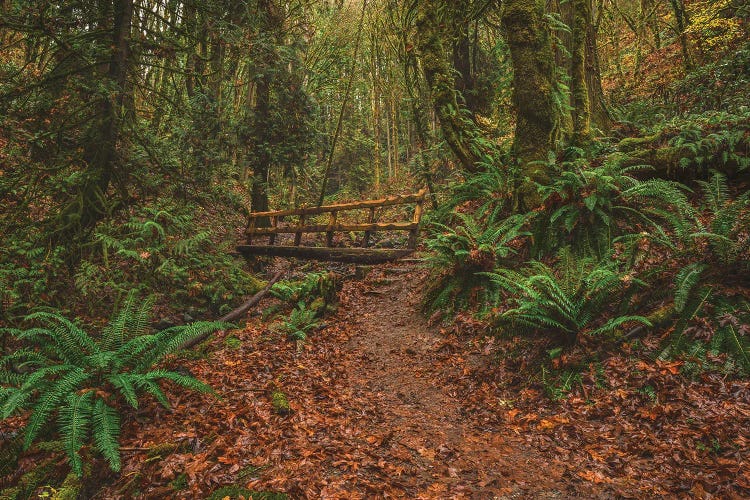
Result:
{"points": [[385, 404]]}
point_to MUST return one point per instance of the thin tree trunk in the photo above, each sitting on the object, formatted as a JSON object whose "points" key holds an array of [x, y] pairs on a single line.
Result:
{"points": [[578, 88], [681, 18]]}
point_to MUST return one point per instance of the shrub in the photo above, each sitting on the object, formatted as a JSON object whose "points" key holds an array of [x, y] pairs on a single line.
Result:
{"points": [[570, 299], [461, 256], [299, 323], [82, 378], [588, 206]]}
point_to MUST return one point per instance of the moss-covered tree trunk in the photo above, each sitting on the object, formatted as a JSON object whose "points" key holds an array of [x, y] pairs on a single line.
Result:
{"points": [[271, 22], [90, 204], [682, 21], [578, 87], [433, 28], [537, 115], [600, 114]]}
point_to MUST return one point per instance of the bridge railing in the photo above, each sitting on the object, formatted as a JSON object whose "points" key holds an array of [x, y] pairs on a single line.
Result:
{"points": [[308, 220]]}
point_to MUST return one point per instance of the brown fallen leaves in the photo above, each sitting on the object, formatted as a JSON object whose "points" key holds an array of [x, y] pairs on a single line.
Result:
{"points": [[383, 405]]}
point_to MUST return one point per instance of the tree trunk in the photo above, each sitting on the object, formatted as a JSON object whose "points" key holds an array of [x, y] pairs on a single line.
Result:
{"points": [[600, 114], [271, 23], [90, 204], [578, 88], [537, 115], [681, 18], [457, 131]]}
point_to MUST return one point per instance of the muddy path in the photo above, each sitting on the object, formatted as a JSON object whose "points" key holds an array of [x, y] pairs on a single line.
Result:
{"points": [[408, 371]]}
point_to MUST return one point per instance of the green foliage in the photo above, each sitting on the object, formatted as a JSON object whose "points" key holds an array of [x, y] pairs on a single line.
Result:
{"points": [[719, 340], [558, 384], [570, 299], [488, 189], [299, 323], [28, 275], [311, 286], [587, 206], [704, 146], [461, 255], [160, 248], [718, 248], [728, 220], [62, 369]]}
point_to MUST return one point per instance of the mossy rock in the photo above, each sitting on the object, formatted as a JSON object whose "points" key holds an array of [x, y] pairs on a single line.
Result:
{"points": [[319, 306], [233, 342], [70, 489]]}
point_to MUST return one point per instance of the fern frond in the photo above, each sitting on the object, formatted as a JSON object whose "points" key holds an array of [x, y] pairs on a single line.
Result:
{"points": [[51, 399], [74, 420], [615, 323], [72, 342], [182, 380], [685, 282], [106, 431], [169, 340], [123, 382]]}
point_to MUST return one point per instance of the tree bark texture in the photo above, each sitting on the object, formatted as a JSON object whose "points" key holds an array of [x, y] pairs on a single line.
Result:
{"points": [[439, 73], [537, 115]]}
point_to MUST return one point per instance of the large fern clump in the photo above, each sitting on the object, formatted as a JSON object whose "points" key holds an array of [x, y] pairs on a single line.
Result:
{"points": [[716, 253], [82, 379], [461, 255], [587, 206], [163, 247], [570, 299]]}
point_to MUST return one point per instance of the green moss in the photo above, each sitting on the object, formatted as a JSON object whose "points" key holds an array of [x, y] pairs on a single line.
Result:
{"points": [[319, 306], [70, 488], [280, 403], [537, 114], [633, 143], [232, 342], [30, 481], [162, 449], [179, 483], [236, 492]]}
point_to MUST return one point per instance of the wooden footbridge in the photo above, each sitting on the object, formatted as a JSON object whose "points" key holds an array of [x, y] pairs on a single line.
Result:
{"points": [[331, 219]]}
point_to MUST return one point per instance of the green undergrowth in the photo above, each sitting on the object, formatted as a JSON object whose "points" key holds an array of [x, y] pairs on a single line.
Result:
{"points": [[311, 297], [613, 252], [76, 384], [170, 247]]}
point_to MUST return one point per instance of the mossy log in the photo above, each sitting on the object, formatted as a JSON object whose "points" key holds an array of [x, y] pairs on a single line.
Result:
{"points": [[685, 162]]}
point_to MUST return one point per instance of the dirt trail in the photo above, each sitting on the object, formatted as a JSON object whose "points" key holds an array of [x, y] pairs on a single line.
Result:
{"points": [[378, 404], [442, 450]]}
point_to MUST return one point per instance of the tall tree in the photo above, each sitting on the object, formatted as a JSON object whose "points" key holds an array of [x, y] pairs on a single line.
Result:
{"points": [[434, 25], [537, 115], [578, 84]]}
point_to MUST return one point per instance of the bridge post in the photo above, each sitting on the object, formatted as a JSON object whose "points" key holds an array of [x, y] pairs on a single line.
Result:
{"points": [[414, 233], [370, 220]]}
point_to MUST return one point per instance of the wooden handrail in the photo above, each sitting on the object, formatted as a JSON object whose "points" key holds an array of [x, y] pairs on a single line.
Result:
{"points": [[325, 228], [399, 199], [299, 227]]}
